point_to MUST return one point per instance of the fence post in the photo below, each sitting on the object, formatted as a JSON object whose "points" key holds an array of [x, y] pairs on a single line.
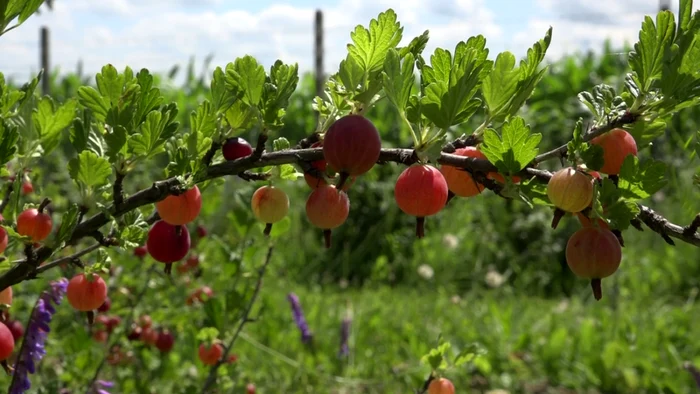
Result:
{"points": [[318, 54], [44, 54]]}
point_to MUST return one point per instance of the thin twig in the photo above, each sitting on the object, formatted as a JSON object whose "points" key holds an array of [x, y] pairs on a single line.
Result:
{"points": [[426, 384], [68, 259], [244, 319]]}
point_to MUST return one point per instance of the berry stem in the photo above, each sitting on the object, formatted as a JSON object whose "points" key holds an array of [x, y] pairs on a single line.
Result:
{"points": [[327, 238], [168, 268], [597, 288], [341, 180], [558, 214], [90, 317], [6, 367], [420, 227], [44, 204], [268, 229]]}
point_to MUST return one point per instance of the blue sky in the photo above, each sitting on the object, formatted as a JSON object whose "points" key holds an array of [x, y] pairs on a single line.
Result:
{"points": [[158, 34]]}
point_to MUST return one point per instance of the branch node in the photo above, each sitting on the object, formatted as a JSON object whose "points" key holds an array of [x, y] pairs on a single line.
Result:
{"points": [[118, 189], [44, 204], [692, 228]]}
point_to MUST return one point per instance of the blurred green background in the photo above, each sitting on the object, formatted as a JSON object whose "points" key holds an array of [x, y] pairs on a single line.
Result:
{"points": [[489, 272]]}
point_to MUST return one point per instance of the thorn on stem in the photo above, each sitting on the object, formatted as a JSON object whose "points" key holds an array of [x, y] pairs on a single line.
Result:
{"points": [[558, 214]]}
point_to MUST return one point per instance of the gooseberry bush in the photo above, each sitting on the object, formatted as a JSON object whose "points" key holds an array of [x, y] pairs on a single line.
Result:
{"points": [[601, 176]]}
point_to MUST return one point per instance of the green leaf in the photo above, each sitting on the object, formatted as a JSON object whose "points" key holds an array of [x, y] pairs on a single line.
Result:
{"points": [[51, 121], [289, 172], [214, 310], [68, 223], [283, 83], [619, 210], [515, 150], [468, 354], [370, 46], [280, 144], [600, 101], [452, 82], [500, 86], [221, 96], [282, 227], [646, 60], [240, 115], [592, 156], [398, 79], [110, 84], [89, 169], [152, 136], [91, 98], [132, 236], [436, 357], [9, 137], [15, 197], [645, 132], [416, 46], [149, 97], [641, 181], [207, 334], [247, 76], [351, 74]]}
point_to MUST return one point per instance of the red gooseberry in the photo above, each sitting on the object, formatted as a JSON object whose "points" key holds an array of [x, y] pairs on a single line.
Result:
{"points": [[594, 253], [192, 261], [210, 355], [34, 224], [3, 237], [327, 208], [321, 165], [145, 321], [167, 243], [270, 205], [441, 386], [7, 342], [181, 209], [235, 148], [165, 341], [588, 222], [6, 296], [617, 144], [135, 333], [250, 388], [421, 191], [149, 336], [459, 181], [570, 190], [198, 295], [100, 336], [140, 251], [86, 292], [351, 146], [105, 306], [500, 179], [27, 188], [232, 358], [16, 328], [201, 231]]}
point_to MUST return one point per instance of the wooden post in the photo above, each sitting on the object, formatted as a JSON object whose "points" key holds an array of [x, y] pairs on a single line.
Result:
{"points": [[44, 53], [318, 54], [664, 5]]}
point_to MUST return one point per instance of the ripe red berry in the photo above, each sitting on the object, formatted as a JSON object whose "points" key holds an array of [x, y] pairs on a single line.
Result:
{"points": [[327, 208], [192, 261], [140, 251], [86, 292], [7, 343], [104, 308], [270, 205], [6, 296], [197, 295], [16, 328], [3, 237], [135, 333], [167, 243], [182, 209], [459, 181], [501, 179], [421, 191], [441, 386], [587, 222], [232, 358], [570, 190], [617, 144], [594, 253], [201, 231], [165, 341], [351, 146], [34, 224], [145, 321], [149, 336], [100, 336], [321, 165], [235, 148], [210, 355], [27, 188], [250, 388]]}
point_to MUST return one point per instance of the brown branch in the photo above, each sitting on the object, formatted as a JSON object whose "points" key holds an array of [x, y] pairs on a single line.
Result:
{"points": [[244, 319], [161, 189], [694, 372], [614, 123], [118, 188], [426, 384]]}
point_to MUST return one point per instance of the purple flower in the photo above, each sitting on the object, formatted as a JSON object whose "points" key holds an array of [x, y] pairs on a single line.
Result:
{"points": [[299, 319], [100, 386], [344, 336], [33, 350]]}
